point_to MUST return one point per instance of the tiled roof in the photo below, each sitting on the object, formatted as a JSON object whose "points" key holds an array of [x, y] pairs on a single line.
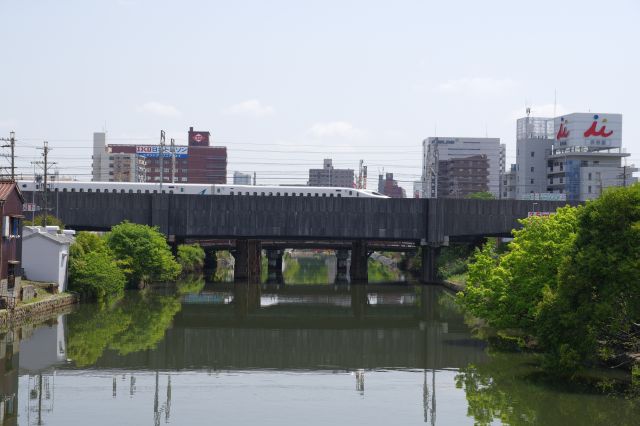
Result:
{"points": [[6, 186]]}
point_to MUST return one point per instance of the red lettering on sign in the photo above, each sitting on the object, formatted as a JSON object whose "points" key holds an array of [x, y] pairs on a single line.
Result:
{"points": [[562, 132], [592, 131]]}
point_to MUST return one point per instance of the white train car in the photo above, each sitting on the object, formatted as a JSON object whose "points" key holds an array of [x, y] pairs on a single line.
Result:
{"points": [[199, 189]]}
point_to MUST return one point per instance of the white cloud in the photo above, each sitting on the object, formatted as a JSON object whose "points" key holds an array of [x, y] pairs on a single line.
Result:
{"points": [[477, 86], [160, 109], [545, 110], [251, 108], [336, 129]]}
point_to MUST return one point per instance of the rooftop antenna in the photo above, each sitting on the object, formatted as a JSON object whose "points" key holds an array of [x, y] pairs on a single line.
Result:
{"points": [[528, 112]]}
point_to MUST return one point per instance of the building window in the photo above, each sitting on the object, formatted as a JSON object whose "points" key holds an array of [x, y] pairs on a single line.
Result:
{"points": [[533, 154], [589, 189], [531, 181], [532, 168], [589, 177]]}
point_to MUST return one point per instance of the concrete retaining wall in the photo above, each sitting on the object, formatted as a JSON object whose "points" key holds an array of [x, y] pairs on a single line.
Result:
{"points": [[37, 311]]}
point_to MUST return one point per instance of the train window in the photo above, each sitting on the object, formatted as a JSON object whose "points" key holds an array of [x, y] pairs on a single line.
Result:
{"points": [[255, 193], [271, 193], [331, 195], [278, 194], [64, 189], [181, 189], [218, 190], [115, 191], [163, 191], [324, 195], [171, 191], [139, 191], [131, 191], [286, 194], [89, 190], [262, 193], [122, 191], [309, 194], [24, 185], [246, 193], [73, 190], [357, 194], [350, 192], [146, 191], [155, 191], [98, 190], [339, 195], [80, 190], [316, 194], [231, 193]]}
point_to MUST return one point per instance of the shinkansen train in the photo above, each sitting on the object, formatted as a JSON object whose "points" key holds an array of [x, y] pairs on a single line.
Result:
{"points": [[200, 189]]}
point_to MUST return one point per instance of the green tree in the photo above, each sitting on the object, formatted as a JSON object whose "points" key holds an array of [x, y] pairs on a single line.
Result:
{"points": [[144, 251], [507, 289], [483, 195], [93, 271], [190, 257], [595, 312], [39, 221]]}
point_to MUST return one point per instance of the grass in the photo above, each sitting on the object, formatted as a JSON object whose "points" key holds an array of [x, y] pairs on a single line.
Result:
{"points": [[460, 279]]}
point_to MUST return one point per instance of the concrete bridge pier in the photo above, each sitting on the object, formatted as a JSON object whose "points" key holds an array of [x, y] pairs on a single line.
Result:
{"points": [[342, 272], [274, 258], [429, 273], [359, 259], [247, 261]]}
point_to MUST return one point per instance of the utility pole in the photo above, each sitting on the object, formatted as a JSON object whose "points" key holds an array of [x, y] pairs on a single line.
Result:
{"points": [[173, 160], [12, 145], [254, 178], [45, 153], [162, 142]]}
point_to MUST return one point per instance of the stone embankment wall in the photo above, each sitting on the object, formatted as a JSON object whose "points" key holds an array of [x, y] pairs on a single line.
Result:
{"points": [[33, 312]]}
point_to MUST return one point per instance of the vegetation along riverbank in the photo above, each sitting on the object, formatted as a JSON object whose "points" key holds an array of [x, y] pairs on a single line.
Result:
{"points": [[568, 285]]}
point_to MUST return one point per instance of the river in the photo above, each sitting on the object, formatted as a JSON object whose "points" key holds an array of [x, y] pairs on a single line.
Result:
{"points": [[308, 351]]}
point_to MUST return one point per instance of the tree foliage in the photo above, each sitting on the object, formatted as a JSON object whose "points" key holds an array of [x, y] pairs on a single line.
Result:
{"points": [[483, 195], [39, 221], [93, 270], [507, 289], [190, 257], [144, 251]]}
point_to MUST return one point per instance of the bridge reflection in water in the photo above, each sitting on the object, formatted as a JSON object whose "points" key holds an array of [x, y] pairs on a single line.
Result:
{"points": [[240, 326]]}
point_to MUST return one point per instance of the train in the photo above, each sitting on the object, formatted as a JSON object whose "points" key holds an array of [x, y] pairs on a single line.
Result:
{"points": [[199, 189]]}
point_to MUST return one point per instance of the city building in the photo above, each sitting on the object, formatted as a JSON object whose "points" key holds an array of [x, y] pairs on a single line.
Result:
{"points": [[241, 178], [468, 154], [534, 143], [508, 183], [329, 176], [587, 156], [389, 187], [459, 177], [198, 162], [11, 201], [46, 254]]}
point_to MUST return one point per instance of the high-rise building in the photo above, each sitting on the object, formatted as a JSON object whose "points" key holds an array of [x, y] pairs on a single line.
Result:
{"points": [[196, 163], [329, 176], [467, 154], [587, 156], [389, 186], [534, 143]]}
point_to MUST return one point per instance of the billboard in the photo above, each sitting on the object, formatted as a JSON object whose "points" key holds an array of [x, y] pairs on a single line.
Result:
{"points": [[595, 131], [153, 151], [198, 138]]}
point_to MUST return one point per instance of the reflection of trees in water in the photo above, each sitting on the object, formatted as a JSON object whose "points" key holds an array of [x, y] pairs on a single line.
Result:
{"points": [[138, 322], [306, 270], [382, 273], [510, 389]]}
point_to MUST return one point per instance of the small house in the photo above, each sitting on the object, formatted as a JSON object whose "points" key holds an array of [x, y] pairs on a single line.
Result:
{"points": [[45, 254], [11, 201]]}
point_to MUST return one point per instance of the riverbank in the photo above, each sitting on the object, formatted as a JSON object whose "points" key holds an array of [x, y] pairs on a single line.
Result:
{"points": [[37, 311]]}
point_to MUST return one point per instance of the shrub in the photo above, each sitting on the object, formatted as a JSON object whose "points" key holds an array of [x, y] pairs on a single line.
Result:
{"points": [[190, 257]]}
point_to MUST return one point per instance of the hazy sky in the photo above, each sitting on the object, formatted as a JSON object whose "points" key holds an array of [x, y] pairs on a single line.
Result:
{"points": [[284, 84]]}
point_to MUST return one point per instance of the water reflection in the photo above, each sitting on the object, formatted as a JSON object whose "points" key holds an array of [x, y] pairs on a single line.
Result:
{"points": [[239, 353]]}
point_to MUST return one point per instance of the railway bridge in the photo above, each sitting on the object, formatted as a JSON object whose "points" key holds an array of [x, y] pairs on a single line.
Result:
{"points": [[245, 224]]}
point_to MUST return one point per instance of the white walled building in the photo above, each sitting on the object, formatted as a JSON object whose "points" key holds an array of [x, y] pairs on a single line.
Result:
{"points": [[438, 149], [45, 254], [534, 143]]}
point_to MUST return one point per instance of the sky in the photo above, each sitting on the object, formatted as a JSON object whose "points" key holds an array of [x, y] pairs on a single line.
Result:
{"points": [[284, 84]]}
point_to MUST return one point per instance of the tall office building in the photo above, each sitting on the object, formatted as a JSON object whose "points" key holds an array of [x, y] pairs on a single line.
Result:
{"points": [[534, 143], [241, 178], [329, 176], [457, 160], [195, 163]]}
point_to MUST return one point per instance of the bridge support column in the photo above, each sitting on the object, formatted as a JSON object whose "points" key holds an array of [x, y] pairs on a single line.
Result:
{"points": [[247, 261], [359, 259], [342, 272], [274, 258], [429, 264]]}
